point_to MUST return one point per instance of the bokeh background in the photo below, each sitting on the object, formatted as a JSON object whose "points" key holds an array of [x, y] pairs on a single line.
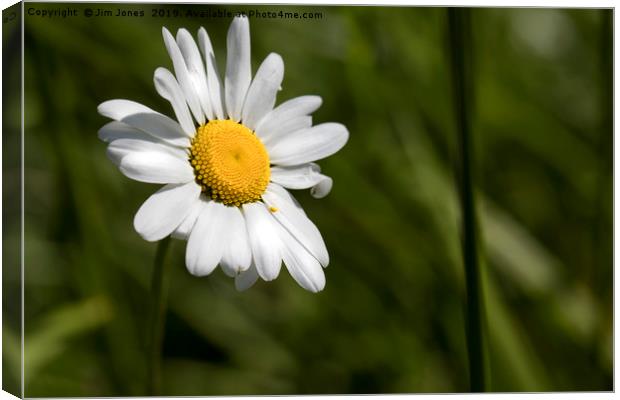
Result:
{"points": [[391, 317]]}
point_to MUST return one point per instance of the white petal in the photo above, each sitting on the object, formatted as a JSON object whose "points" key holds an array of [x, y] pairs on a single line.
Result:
{"points": [[298, 224], [185, 228], [309, 145], [246, 279], [159, 126], [286, 195], [195, 67], [214, 82], [156, 167], [206, 243], [264, 240], [303, 177], [322, 188], [145, 119], [119, 148], [290, 109], [165, 210], [238, 66], [261, 95], [183, 76], [119, 108], [168, 88], [302, 266], [271, 137], [237, 255], [302, 105], [118, 130]]}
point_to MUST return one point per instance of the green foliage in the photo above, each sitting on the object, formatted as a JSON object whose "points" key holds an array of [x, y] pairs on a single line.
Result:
{"points": [[391, 316]]}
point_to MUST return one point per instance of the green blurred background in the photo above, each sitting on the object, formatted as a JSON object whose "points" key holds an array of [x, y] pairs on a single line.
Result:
{"points": [[391, 317]]}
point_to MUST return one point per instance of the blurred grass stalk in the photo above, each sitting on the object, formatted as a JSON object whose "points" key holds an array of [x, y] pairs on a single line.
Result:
{"points": [[157, 318], [459, 33]]}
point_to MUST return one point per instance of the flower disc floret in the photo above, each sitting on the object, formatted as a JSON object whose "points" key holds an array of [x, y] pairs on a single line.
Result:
{"points": [[230, 163]]}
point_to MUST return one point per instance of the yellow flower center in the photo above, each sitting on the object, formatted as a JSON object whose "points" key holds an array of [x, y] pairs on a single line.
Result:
{"points": [[230, 162]]}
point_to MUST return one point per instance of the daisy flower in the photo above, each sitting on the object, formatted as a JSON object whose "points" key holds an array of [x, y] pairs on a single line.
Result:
{"points": [[227, 162]]}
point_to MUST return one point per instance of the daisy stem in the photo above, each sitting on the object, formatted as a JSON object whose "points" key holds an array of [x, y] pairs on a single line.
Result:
{"points": [[157, 317], [460, 42]]}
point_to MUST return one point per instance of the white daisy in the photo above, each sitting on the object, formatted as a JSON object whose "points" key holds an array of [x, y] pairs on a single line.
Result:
{"points": [[227, 162]]}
